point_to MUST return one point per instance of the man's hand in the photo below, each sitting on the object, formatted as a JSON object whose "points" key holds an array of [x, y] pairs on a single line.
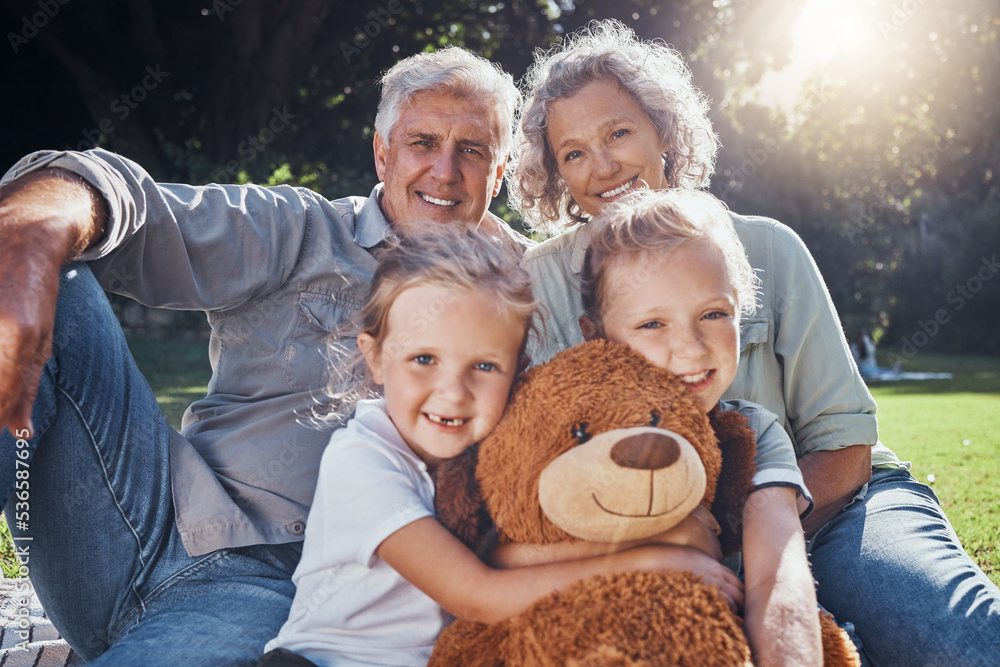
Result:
{"points": [[46, 219]]}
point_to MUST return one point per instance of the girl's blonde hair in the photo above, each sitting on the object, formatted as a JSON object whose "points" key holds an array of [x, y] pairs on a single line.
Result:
{"points": [[651, 72], [654, 223], [469, 260]]}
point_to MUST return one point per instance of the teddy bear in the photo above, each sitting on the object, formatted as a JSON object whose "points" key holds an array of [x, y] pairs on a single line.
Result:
{"points": [[598, 444]]}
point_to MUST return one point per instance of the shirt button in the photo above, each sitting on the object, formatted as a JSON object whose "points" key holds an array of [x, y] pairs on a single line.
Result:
{"points": [[298, 528]]}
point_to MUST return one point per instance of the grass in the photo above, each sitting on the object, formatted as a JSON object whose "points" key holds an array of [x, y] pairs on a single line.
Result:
{"points": [[950, 431], [178, 372], [948, 428]]}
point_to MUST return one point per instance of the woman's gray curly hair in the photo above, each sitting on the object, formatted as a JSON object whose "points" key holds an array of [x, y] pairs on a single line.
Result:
{"points": [[656, 77]]}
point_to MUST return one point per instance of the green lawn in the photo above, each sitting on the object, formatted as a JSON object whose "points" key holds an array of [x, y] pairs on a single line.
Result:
{"points": [[178, 372], [950, 431], [948, 428]]}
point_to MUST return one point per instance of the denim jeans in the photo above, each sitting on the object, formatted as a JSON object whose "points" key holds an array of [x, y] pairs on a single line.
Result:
{"points": [[104, 554], [891, 564]]}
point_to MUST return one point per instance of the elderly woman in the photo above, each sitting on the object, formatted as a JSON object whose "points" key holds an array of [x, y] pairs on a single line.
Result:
{"points": [[607, 113]]}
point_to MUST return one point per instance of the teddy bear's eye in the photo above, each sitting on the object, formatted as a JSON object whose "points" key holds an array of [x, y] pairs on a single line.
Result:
{"points": [[580, 432], [654, 418]]}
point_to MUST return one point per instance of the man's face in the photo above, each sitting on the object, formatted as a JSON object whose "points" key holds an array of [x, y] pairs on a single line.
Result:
{"points": [[441, 164]]}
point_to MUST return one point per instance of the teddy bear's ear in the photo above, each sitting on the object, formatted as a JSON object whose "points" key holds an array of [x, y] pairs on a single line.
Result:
{"points": [[738, 446], [458, 503]]}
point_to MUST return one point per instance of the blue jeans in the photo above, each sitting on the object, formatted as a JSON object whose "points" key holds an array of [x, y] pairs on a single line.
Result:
{"points": [[891, 564], [105, 556]]}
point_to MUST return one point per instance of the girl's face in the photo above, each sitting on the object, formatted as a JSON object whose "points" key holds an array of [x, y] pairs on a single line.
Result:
{"points": [[680, 312], [447, 362], [605, 145]]}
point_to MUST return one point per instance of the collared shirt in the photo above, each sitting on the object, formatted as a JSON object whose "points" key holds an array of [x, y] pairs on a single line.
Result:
{"points": [[794, 359], [278, 270]]}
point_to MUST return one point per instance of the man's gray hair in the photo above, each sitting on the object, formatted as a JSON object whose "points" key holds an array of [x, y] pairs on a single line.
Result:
{"points": [[452, 71], [656, 77]]}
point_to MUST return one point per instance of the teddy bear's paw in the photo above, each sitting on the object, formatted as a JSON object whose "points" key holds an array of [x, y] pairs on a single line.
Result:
{"points": [[838, 649]]}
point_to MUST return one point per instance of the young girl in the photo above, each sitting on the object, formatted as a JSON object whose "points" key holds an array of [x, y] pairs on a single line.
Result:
{"points": [[665, 273], [443, 333]]}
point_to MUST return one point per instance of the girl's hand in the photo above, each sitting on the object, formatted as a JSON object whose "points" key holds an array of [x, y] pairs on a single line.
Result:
{"points": [[671, 558], [699, 530]]}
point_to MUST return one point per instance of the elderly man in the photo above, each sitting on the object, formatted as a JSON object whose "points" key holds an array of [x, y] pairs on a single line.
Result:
{"points": [[148, 546]]}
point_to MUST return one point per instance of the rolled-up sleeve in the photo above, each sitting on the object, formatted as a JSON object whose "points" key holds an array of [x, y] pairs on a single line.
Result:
{"points": [[828, 404], [186, 247], [799, 366]]}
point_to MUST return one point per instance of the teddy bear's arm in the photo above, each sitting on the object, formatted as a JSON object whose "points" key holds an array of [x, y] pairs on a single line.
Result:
{"points": [[738, 446], [458, 503]]}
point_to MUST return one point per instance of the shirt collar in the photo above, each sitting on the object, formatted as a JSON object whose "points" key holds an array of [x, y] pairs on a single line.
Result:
{"points": [[370, 225], [580, 242]]}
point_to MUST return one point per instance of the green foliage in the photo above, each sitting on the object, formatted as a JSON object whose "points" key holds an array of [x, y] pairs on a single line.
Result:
{"points": [[887, 172], [886, 167], [8, 564], [177, 371]]}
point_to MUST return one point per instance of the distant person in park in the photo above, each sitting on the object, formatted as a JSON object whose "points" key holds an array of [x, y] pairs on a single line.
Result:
{"points": [[864, 351], [153, 547], [606, 114]]}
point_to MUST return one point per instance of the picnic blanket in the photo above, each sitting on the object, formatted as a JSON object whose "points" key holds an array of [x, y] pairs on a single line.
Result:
{"points": [[27, 637], [896, 376]]}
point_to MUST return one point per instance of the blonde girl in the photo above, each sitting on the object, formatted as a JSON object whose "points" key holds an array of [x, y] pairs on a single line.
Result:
{"points": [[666, 274]]}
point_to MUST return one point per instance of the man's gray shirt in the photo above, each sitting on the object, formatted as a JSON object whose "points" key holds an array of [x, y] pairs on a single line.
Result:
{"points": [[277, 269]]}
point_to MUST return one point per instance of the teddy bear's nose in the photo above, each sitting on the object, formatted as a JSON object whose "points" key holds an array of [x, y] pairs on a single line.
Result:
{"points": [[646, 451]]}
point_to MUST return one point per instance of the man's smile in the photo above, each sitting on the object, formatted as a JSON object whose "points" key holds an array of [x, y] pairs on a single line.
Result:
{"points": [[439, 202]]}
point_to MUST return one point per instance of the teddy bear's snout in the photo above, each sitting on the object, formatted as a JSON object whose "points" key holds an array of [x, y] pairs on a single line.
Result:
{"points": [[646, 451]]}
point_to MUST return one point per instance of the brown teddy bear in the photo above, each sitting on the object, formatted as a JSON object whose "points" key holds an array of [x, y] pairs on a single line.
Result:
{"points": [[598, 444]]}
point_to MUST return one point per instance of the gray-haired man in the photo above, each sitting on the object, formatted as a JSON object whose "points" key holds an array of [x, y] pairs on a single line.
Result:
{"points": [[150, 546]]}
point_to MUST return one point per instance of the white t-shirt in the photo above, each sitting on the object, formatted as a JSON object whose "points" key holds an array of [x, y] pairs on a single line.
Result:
{"points": [[350, 607]]}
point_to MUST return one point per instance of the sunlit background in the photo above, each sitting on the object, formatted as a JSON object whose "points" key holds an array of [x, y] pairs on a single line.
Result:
{"points": [[869, 126]]}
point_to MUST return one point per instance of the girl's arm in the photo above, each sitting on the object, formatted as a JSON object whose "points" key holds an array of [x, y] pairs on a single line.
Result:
{"points": [[699, 530], [437, 563], [780, 618]]}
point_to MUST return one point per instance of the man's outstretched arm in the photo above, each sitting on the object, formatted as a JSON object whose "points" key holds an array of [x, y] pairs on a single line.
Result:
{"points": [[47, 218]]}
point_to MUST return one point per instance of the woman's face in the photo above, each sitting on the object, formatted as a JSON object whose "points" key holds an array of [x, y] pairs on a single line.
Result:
{"points": [[605, 145]]}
